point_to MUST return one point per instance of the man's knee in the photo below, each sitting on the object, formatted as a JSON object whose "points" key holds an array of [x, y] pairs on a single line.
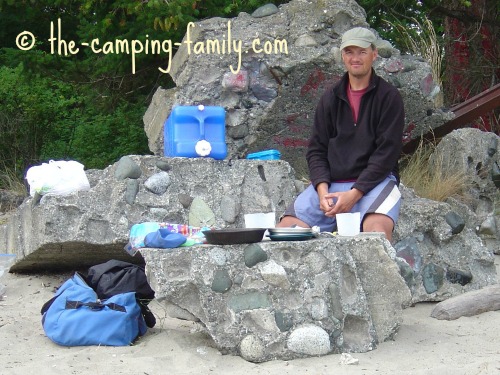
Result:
{"points": [[289, 221], [378, 223]]}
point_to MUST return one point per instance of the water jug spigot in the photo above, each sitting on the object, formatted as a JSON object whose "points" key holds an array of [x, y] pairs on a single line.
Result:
{"points": [[203, 147]]}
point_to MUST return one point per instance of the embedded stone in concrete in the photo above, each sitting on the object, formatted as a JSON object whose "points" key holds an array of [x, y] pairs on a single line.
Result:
{"points": [[163, 165], [284, 321], [222, 281], [265, 10], [236, 82], [132, 190], [309, 340], [433, 277], [200, 214], [254, 255], [488, 227], [274, 274], [230, 209], [158, 183], [185, 200], [127, 168], [457, 276], [252, 349], [249, 301], [456, 222]]}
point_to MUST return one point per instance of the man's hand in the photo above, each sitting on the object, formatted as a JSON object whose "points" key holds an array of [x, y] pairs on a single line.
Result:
{"points": [[336, 203]]}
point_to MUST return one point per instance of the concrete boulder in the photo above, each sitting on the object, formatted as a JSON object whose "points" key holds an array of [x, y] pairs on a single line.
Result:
{"points": [[303, 298], [437, 259], [85, 227], [475, 154]]}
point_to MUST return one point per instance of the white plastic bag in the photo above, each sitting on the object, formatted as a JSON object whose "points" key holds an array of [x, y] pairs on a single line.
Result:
{"points": [[57, 178]]}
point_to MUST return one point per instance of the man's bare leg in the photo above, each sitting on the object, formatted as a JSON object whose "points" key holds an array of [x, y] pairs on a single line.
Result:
{"points": [[371, 223], [379, 223], [289, 221]]}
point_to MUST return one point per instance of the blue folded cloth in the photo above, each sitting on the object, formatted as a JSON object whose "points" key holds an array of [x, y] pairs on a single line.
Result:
{"points": [[163, 238]]}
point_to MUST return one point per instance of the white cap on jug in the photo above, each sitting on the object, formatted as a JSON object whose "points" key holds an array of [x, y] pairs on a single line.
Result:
{"points": [[201, 107], [203, 147]]}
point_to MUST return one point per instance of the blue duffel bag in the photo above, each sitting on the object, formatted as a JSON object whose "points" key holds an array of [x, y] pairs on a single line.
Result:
{"points": [[76, 317]]}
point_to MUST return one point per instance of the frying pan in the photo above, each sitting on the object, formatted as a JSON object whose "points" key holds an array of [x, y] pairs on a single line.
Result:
{"points": [[234, 236]]}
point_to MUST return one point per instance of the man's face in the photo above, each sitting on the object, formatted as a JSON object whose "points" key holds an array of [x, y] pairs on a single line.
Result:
{"points": [[358, 61]]}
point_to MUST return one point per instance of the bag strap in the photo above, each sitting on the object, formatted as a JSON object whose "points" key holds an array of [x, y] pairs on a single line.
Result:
{"points": [[94, 305], [47, 304], [147, 314]]}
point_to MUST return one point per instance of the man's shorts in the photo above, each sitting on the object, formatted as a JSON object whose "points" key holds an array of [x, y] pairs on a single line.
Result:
{"points": [[385, 198]]}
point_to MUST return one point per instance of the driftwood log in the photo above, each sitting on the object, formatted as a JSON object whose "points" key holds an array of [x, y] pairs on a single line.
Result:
{"points": [[469, 304]]}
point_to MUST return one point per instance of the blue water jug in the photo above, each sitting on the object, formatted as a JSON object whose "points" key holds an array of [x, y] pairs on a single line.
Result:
{"points": [[195, 131]]}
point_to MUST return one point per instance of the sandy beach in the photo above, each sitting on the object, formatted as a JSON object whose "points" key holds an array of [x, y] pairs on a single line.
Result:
{"points": [[423, 345]]}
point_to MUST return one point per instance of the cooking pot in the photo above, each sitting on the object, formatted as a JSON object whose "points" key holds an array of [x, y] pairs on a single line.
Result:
{"points": [[234, 236]]}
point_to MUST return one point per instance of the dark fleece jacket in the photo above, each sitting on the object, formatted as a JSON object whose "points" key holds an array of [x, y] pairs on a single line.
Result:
{"points": [[366, 151]]}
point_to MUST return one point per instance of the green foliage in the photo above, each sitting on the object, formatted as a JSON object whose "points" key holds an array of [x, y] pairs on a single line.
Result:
{"points": [[29, 108], [43, 119], [389, 17], [104, 138]]}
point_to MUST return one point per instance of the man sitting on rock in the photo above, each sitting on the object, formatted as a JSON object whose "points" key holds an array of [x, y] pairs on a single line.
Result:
{"points": [[354, 147]]}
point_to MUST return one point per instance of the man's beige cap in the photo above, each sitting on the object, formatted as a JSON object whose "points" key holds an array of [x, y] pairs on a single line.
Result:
{"points": [[359, 37]]}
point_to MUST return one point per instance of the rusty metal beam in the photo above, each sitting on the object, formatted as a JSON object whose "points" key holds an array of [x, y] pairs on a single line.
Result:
{"points": [[464, 112]]}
